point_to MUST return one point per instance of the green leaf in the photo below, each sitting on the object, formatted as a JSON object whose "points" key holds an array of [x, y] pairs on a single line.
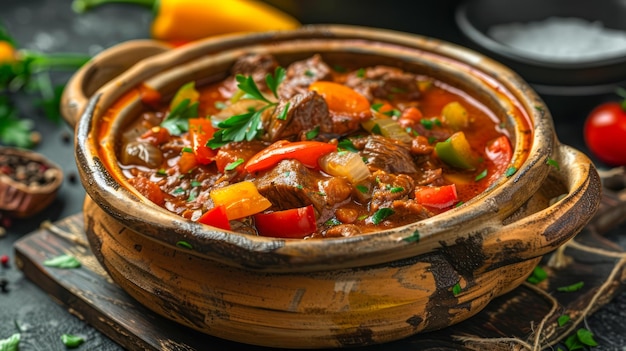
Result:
{"points": [[313, 133], [177, 120], [63, 262], [332, 222], [381, 214], [231, 166], [538, 275], [71, 341], [415, 237], [572, 287], [480, 176], [184, 245], [586, 337], [553, 163], [248, 86], [510, 171], [346, 144], [573, 343], [11, 343], [563, 319], [274, 81], [17, 132], [456, 289]]}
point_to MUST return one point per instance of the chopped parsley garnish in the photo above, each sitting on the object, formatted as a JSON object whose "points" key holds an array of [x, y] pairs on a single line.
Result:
{"points": [[195, 183], [313, 133], [248, 126], [63, 262], [71, 341], [187, 149], [231, 166], [538, 275], [563, 319], [510, 171], [376, 129], [572, 287], [415, 237], [481, 175], [456, 289], [395, 189], [362, 188], [578, 341], [184, 245], [381, 214], [360, 72], [553, 163], [177, 121], [346, 144], [332, 222], [11, 343]]}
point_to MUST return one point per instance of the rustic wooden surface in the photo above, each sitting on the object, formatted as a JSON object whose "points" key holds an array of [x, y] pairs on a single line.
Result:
{"points": [[88, 293]]}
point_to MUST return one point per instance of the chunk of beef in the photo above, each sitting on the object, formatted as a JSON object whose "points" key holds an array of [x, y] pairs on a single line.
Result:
{"points": [[301, 74], [390, 187], [296, 116], [291, 185], [384, 81], [257, 66], [387, 155]]}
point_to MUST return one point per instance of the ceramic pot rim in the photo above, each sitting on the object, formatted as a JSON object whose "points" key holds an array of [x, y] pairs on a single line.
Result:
{"points": [[261, 252]]}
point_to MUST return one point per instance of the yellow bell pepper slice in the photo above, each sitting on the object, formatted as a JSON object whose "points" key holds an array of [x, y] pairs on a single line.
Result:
{"points": [[186, 92], [240, 200], [455, 115]]}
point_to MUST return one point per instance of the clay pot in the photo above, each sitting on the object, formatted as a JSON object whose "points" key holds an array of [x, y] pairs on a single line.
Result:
{"points": [[334, 292], [26, 197]]}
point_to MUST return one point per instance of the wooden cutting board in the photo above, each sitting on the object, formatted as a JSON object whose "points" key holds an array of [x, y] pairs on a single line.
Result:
{"points": [[509, 320]]}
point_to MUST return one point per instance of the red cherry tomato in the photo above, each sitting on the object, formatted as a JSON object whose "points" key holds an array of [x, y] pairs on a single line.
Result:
{"points": [[605, 133]]}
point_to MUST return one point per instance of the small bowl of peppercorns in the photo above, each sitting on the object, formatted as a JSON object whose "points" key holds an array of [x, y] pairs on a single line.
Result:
{"points": [[28, 181]]}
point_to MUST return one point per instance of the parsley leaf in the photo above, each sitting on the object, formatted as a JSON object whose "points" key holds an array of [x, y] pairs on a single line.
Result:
{"points": [[11, 343], [381, 214], [177, 121], [63, 262], [247, 126]]}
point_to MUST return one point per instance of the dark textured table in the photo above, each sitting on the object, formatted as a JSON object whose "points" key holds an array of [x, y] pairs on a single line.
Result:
{"points": [[50, 26]]}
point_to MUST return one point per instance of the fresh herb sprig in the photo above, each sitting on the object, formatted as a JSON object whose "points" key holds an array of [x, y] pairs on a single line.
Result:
{"points": [[248, 126], [177, 121], [27, 72]]}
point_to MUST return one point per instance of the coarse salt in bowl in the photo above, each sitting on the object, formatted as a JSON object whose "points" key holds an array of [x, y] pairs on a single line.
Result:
{"points": [[560, 47]]}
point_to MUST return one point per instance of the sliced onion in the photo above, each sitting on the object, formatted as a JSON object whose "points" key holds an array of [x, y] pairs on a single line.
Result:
{"points": [[388, 128], [345, 164]]}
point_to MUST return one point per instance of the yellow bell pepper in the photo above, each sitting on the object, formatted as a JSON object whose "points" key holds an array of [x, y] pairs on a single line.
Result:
{"points": [[239, 199], [7, 53], [188, 20]]}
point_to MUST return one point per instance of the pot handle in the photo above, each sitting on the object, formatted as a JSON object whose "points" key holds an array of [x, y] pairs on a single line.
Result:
{"points": [[544, 231], [101, 69]]}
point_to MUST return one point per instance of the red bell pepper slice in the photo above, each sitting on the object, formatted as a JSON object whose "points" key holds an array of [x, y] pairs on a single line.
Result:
{"points": [[216, 217], [437, 196], [307, 152], [200, 131], [294, 223], [500, 152]]}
